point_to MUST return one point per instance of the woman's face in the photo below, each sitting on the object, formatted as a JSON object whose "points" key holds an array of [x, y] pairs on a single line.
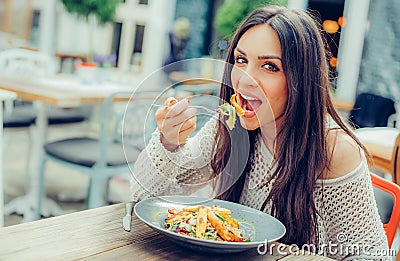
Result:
{"points": [[258, 77]]}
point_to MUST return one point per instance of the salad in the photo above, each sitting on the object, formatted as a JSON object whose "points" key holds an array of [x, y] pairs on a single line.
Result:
{"points": [[211, 223], [230, 110]]}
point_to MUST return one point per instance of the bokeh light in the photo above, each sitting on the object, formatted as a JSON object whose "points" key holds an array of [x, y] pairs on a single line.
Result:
{"points": [[330, 26], [342, 21], [333, 61]]}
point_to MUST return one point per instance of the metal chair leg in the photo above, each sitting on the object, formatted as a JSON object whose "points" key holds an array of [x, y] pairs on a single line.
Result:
{"points": [[107, 196], [95, 194], [41, 189]]}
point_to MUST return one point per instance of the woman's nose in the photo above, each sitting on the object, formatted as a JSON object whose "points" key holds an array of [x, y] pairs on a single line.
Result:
{"points": [[247, 79]]}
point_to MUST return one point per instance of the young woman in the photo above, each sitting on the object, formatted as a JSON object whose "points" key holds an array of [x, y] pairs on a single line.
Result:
{"points": [[291, 155]]}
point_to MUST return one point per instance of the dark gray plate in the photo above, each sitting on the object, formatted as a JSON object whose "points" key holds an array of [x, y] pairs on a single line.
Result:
{"points": [[260, 227]]}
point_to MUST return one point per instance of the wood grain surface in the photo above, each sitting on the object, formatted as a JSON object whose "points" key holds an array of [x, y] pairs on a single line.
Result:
{"points": [[98, 234]]}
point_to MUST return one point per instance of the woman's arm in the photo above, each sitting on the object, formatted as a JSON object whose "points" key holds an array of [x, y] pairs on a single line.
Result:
{"points": [[158, 171]]}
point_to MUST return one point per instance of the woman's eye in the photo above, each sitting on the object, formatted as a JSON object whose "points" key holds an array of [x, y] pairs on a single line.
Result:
{"points": [[240, 59], [271, 67]]}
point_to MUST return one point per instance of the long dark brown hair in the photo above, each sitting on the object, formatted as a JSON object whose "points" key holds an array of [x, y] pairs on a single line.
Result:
{"points": [[301, 156]]}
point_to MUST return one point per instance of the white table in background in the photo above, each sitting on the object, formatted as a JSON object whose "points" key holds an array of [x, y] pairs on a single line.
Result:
{"points": [[65, 91], [380, 142]]}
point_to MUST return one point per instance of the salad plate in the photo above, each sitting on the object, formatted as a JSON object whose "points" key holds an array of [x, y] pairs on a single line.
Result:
{"points": [[258, 226]]}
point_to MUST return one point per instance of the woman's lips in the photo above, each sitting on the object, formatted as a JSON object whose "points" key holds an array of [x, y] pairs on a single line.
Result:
{"points": [[247, 101]]}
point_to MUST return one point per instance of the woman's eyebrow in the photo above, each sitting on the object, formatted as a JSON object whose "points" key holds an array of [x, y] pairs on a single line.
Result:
{"points": [[240, 50], [263, 57], [260, 57]]}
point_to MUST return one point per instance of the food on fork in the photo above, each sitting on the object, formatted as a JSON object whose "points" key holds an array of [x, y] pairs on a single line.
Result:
{"points": [[227, 110], [240, 111], [211, 223], [230, 110]]}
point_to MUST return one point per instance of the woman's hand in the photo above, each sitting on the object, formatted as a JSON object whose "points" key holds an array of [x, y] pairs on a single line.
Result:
{"points": [[175, 123]]}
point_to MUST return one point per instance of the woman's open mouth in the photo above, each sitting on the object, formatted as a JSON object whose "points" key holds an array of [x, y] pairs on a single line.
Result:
{"points": [[250, 104]]}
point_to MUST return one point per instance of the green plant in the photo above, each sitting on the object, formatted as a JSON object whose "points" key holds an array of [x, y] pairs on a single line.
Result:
{"points": [[232, 12], [103, 10]]}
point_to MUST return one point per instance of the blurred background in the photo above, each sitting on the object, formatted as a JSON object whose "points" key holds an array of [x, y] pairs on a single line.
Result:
{"points": [[133, 35], [130, 39]]}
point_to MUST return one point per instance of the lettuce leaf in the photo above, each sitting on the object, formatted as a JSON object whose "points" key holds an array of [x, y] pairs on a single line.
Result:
{"points": [[228, 110]]}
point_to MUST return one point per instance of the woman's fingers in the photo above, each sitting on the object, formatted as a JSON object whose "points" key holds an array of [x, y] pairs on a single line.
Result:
{"points": [[185, 134], [179, 122], [182, 117], [179, 133], [175, 108], [170, 101], [175, 122], [189, 124], [175, 131], [179, 129]]}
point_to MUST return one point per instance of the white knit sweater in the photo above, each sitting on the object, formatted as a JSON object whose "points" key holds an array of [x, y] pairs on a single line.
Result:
{"points": [[348, 222]]}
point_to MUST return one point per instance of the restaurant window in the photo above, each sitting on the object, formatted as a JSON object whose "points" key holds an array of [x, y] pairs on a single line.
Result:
{"points": [[34, 39], [331, 15], [116, 40], [143, 2], [136, 59], [139, 33]]}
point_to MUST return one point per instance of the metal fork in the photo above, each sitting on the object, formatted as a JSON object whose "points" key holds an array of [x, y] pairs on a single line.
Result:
{"points": [[190, 106]]}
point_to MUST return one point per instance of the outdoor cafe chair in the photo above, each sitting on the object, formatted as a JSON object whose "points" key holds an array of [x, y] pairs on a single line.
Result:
{"points": [[387, 196], [22, 62], [103, 157], [4, 96], [371, 110]]}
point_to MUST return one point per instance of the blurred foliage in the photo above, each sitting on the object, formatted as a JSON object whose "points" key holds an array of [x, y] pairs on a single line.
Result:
{"points": [[103, 10], [233, 12]]}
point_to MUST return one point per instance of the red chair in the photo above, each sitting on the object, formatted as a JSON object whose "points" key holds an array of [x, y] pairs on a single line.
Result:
{"points": [[394, 213]]}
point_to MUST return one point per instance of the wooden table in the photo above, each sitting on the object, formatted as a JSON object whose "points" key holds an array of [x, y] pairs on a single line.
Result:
{"points": [[97, 234], [342, 105], [380, 142], [61, 90], [65, 91], [381, 155]]}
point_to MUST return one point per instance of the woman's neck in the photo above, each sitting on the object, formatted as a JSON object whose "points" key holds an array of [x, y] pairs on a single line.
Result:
{"points": [[268, 136], [269, 132]]}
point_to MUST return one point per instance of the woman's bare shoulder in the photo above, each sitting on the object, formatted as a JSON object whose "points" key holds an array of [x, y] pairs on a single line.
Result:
{"points": [[343, 152]]}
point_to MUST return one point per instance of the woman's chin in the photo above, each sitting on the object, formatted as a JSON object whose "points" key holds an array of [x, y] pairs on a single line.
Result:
{"points": [[250, 123]]}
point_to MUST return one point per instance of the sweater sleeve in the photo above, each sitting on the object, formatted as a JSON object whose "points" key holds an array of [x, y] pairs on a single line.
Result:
{"points": [[349, 224], [158, 171]]}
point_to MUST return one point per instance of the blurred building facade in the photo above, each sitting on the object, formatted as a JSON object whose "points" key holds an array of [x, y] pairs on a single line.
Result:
{"points": [[139, 36], [380, 63]]}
